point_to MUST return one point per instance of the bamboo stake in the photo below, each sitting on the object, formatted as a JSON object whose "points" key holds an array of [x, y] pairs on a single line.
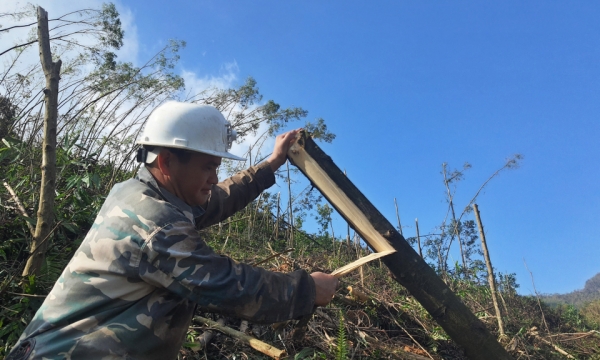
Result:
{"points": [[348, 225], [418, 237], [398, 217], [277, 219], [246, 339], [291, 239], [488, 264]]}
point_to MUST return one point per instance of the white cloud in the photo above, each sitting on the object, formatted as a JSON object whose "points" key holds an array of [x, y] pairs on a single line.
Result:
{"points": [[227, 78]]}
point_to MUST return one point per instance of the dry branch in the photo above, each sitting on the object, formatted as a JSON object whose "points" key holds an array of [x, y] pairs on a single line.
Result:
{"points": [[246, 339], [534, 332]]}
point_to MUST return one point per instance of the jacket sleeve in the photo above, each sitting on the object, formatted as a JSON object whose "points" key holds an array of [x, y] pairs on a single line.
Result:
{"points": [[234, 193], [176, 258]]}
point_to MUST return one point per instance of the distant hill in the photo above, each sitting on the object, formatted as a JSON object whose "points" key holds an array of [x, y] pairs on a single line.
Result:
{"points": [[590, 292]]}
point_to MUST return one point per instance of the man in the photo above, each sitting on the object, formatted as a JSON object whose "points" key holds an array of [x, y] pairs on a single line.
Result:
{"points": [[131, 288]]}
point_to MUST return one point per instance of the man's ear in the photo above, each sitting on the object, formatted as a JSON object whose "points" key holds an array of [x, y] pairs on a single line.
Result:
{"points": [[164, 161]]}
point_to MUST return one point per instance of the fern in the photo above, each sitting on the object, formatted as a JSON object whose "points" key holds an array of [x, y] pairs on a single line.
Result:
{"points": [[342, 344]]}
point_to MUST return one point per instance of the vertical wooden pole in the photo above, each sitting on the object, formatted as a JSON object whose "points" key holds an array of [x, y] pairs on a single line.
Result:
{"points": [[490, 269], [418, 237], [398, 217], [291, 239], [45, 213], [348, 234], [277, 218]]}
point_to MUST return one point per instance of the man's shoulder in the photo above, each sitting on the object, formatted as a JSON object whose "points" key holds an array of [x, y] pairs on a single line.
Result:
{"points": [[133, 198]]}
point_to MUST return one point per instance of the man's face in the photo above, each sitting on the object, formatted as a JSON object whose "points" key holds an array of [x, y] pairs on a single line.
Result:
{"points": [[193, 180]]}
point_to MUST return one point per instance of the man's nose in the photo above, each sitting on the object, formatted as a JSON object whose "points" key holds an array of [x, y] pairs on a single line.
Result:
{"points": [[214, 177]]}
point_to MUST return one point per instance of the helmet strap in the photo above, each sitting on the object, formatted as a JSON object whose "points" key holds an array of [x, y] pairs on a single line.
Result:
{"points": [[142, 153]]}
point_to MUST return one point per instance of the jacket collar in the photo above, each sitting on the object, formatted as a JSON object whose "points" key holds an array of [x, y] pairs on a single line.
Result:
{"points": [[191, 212]]}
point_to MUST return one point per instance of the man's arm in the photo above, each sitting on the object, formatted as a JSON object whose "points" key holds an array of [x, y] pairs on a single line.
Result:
{"points": [[234, 193], [177, 259]]}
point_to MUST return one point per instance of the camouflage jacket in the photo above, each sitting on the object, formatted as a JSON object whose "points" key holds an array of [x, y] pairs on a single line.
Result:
{"points": [[131, 288]]}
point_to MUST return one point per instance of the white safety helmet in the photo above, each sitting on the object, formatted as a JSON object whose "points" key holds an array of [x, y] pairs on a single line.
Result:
{"points": [[200, 128]]}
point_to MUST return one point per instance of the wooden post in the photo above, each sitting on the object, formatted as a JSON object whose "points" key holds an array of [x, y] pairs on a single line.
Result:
{"points": [[398, 217], [418, 238], [291, 238], [348, 225], [490, 269], [408, 268], [277, 218], [45, 214]]}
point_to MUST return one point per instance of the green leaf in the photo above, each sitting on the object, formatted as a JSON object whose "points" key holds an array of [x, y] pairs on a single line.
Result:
{"points": [[71, 227]]}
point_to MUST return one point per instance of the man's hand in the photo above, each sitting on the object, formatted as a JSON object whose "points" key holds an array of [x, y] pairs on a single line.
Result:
{"points": [[283, 142], [325, 286]]}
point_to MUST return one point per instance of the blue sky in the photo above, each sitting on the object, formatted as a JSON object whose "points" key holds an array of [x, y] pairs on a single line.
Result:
{"points": [[408, 85]]}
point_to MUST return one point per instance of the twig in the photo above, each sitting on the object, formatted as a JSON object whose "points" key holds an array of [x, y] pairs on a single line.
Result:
{"points": [[407, 333], [272, 257], [26, 295], [537, 297]]}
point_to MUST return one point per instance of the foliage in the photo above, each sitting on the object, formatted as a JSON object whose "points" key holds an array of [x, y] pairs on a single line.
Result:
{"points": [[342, 345]]}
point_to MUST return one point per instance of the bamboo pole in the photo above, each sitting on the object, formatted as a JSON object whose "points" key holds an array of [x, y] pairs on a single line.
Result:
{"points": [[277, 218], [398, 217], [291, 238], [418, 238], [408, 268], [246, 339], [490, 269]]}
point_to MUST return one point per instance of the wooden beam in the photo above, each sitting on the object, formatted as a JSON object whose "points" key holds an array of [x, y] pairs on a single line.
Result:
{"points": [[408, 268]]}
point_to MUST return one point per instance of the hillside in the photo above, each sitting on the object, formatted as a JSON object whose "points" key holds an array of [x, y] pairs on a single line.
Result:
{"points": [[578, 298]]}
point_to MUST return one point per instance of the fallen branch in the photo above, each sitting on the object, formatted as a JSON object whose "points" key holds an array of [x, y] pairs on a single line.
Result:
{"points": [[273, 256], [20, 206], [534, 332], [206, 337], [371, 341], [246, 339]]}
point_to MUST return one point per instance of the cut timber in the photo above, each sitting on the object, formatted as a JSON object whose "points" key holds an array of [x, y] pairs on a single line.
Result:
{"points": [[408, 267], [344, 270]]}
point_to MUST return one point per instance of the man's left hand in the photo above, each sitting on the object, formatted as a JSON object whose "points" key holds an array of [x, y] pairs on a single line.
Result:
{"points": [[283, 142]]}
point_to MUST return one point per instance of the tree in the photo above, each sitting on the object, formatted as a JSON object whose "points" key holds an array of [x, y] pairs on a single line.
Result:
{"points": [[45, 218]]}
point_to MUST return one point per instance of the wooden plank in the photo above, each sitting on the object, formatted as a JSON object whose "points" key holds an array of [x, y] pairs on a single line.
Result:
{"points": [[408, 268]]}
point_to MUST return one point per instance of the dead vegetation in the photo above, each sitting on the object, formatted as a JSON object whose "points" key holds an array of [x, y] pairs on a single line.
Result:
{"points": [[373, 317]]}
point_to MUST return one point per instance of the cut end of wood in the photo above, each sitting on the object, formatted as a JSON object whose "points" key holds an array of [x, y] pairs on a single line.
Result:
{"points": [[344, 270]]}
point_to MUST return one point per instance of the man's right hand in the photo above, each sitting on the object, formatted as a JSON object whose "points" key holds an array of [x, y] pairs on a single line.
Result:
{"points": [[325, 286]]}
